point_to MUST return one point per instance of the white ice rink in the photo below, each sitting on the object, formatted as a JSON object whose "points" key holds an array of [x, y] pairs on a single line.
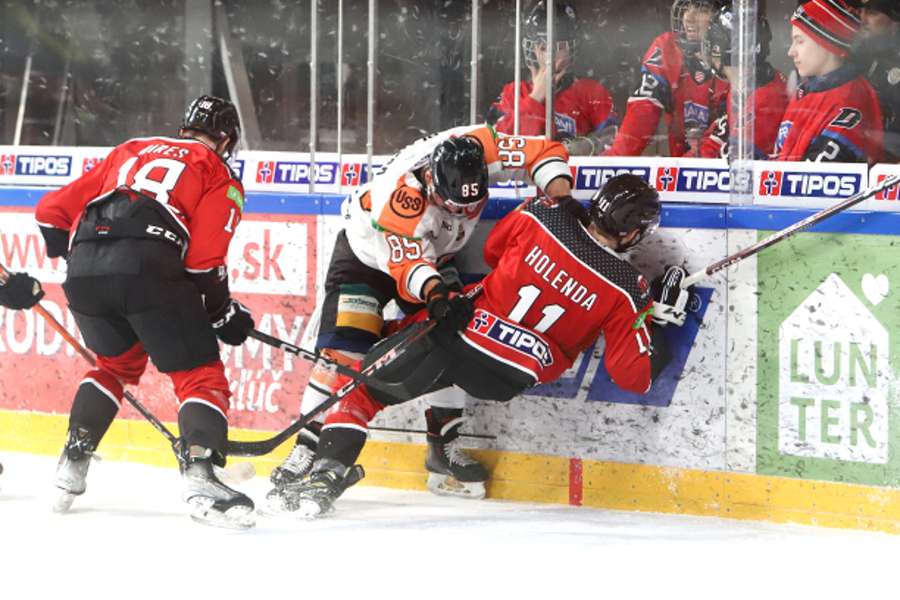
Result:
{"points": [[128, 537]]}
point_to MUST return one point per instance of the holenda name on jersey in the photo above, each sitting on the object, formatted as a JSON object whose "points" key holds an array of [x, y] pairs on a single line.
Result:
{"points": [[558, 279]]}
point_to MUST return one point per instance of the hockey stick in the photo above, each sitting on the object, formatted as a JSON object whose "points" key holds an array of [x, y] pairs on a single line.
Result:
{"points": [[479, 436], [797, 227], [260, 447], [238, 473], [314, 356]]}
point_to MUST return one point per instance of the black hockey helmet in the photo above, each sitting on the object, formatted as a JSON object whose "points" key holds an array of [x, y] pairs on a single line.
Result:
{"points": [[216, 118], [624, 204], [679, 7], [565, 29], [717, 42], [459, 173]]}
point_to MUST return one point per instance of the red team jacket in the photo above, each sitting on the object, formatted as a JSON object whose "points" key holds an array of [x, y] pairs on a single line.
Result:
{"points": [[688, 94], [186, 177], [833, 118], [552, 291], [769, 102], [583, 107]]}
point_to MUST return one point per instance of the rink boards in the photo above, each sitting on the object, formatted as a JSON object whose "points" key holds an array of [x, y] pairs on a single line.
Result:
{"points": [[780, 403]]}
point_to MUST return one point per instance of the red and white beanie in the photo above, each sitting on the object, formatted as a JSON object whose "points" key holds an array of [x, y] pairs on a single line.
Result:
{"points": [[833, 24]]}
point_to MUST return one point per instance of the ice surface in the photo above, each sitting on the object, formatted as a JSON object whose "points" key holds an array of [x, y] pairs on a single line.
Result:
{"points": [[129, 537]]}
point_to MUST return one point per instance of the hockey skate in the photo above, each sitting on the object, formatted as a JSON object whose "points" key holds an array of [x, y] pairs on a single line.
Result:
{"points": [[211, 501], [314, 495], [299, 462], [71, 472], [451, 472]]}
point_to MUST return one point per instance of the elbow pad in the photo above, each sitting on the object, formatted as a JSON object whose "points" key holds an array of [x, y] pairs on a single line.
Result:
{"points": [[213, 285], [57, 241]]}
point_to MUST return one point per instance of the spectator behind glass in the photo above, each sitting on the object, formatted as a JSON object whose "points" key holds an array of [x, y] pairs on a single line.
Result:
{"points": [[675, 83], [877, 56], [584, 118], [768, 100], [834, 115]]}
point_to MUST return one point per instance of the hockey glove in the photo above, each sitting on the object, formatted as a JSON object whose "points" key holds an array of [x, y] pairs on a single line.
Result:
{"points": [[450, 275], [233, 323], [20, 291], [669, 298], [452, 312]]}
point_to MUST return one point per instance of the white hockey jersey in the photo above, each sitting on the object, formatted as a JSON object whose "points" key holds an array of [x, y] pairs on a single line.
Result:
{"points": [[393, 227]]}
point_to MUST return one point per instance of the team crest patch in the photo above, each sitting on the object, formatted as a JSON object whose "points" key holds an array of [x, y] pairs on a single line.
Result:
{"points": [[512, 336], [407, 205]]}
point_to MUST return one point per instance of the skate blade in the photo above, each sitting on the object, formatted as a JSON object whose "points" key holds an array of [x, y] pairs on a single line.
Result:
{"points": [[236, 517], [308, 509], [273, 505], [63, 502], [276, 506], [445, 485]]}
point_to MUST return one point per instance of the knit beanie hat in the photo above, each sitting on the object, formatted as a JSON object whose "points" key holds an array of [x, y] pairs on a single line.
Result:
{"points": [[833, 24]]}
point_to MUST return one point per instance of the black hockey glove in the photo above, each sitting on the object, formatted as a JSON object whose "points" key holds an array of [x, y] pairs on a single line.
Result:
{"points": [[669, 298], [233, 323], [20, 291], [450, 275], [452, 313]]}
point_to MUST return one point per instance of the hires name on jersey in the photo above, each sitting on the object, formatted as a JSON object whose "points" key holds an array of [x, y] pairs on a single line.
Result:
{"points": [[394, 225]]}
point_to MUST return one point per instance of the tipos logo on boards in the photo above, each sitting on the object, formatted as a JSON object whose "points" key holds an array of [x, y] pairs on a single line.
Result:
{"points": [[827, 357]]}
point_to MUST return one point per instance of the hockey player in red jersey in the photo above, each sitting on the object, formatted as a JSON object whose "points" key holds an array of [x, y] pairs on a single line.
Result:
{"points": [[146, 235], [834, 116], [584, 117], [768, 100], [401, 230], [557, 284], [675, 83]]}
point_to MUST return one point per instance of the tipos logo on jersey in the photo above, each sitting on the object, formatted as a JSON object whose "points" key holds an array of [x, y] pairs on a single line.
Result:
{"points": [[265, 171], [891, 193], [770, 183], [592, 177], [522, 340], [666, 179], [7, 164], [775, 182], [90, 162], [353, 174], [41, 166]]}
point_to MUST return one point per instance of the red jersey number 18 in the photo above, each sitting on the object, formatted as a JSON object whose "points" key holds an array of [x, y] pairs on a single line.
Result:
{"points": [[141, 181]]}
